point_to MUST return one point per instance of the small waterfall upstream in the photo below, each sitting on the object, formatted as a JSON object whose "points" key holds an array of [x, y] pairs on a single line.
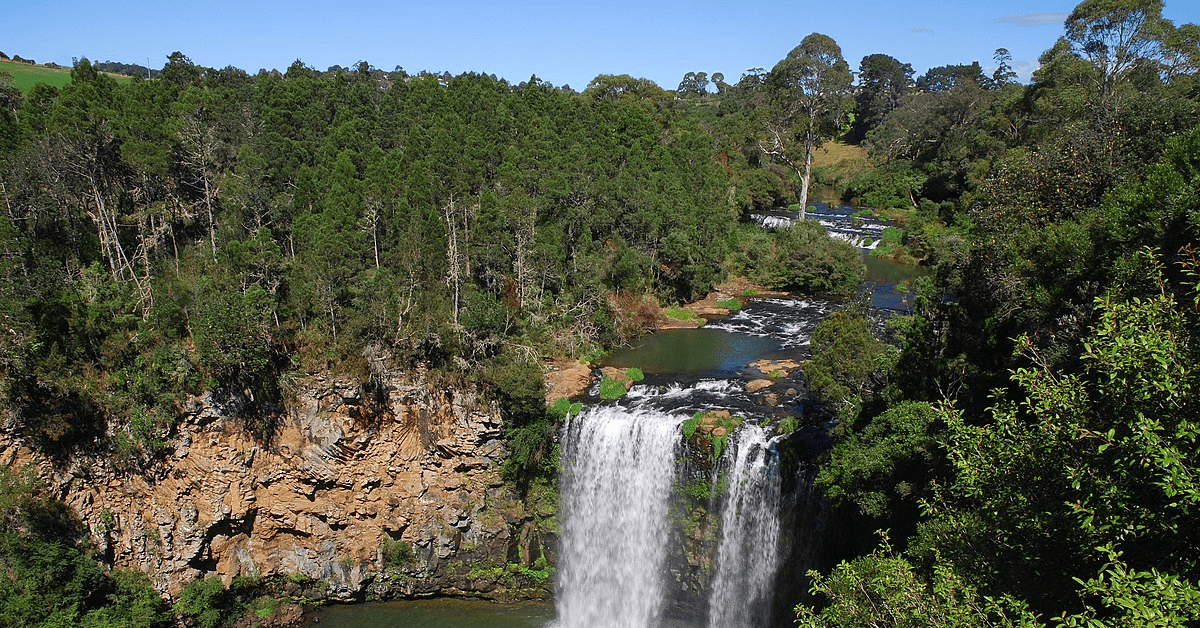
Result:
{"points": [[839, 221], [619, 466], [748, 555]]}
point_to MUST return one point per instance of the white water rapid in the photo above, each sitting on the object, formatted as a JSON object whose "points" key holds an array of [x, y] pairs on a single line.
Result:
{"points": [[618, 468], [748, 554]]}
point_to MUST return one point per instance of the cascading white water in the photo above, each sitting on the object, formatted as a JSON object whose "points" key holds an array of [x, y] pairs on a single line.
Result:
{"points": [[618, 467], [840, 222], [748, 553]]}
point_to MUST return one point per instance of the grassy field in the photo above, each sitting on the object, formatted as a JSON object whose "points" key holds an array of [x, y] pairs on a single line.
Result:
{"points": [[835, 153], [834, 163], [25, 76]]}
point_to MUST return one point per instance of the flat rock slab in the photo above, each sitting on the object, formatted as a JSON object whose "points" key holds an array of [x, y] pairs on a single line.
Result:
{"points": [[566, 379], [783, 367], [666, 322], [756, 385], [714, 423]]}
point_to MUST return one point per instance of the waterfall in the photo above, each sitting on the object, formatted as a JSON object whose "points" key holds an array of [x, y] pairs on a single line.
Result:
{"points": [[748, 553], [618, 468], [839, 221], [772, 222]]}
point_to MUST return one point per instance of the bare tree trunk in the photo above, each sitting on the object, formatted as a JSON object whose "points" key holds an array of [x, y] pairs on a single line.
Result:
{"points": [[467, 241], [375, 235], [525, 238], [147, 241], [174, 244], [7, 203], [452, 273], [807, 176], [778, 150], [212, 223], [199, 152], [110, 240], [372, 225]]}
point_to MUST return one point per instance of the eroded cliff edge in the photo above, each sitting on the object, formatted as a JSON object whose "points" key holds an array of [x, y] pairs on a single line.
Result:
{"points": [[344, 476]]}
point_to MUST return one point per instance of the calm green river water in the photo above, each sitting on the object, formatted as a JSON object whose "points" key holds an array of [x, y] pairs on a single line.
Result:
{"points": [[438, 613], [685, 351]]}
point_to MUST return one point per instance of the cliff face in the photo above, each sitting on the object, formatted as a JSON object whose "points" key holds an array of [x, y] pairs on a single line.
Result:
{"points": [[340, 478]]}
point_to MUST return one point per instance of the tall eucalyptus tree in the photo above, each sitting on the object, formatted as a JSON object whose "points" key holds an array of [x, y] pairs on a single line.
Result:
{"points": [[1117, 36], [810, 91]]}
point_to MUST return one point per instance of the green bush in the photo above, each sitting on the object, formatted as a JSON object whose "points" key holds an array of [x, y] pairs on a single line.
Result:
{"points": [[891, 188], [529, 426], [801, 258], [207, 603], [848, 362], [397, 553], [718, 443], [48, 577], [593, 354], [882, 467], [563, 409], [611, 389], [700, 490], [689, 426]]}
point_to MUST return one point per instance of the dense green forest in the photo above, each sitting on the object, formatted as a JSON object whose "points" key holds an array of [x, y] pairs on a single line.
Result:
{"points": [[1028, 444], [1028, 452]]}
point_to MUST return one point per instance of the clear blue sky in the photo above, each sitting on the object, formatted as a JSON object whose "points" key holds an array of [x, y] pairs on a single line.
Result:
{"points": [[566, 42]]}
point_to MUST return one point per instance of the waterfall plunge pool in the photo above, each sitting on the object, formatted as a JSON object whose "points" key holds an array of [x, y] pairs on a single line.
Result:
{"points": [[444, 613], [435, 613]]}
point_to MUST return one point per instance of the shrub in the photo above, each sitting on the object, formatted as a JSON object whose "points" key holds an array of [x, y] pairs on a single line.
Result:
{"points": [[611, 389], [528, 425], [563, 409], [689, 426], [848, 362], [801, 258], [47, 575], [732, 305], [593, 354], [206, 603], [700, 490], [397, 553]]}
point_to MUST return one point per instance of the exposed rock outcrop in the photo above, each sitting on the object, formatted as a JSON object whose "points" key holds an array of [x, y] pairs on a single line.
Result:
{"points": [[566, 378], [342, 473]]}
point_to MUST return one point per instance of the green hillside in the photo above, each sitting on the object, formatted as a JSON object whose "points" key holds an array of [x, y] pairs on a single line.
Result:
{"points": [[25, 76]]}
